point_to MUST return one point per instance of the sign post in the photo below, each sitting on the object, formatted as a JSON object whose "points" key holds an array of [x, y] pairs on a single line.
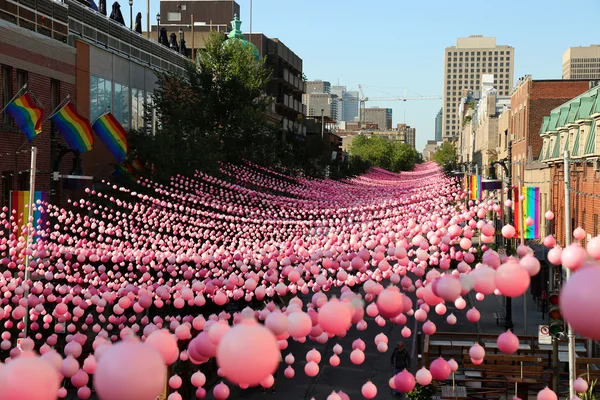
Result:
{"points": [[544, 335]]}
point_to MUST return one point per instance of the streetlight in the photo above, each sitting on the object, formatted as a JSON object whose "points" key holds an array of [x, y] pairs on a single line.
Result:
{"points": [[131, 14], [157, 27]]}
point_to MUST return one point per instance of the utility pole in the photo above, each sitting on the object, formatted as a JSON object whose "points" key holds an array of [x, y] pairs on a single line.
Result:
{"points": [[570, 333], [508, 324]]}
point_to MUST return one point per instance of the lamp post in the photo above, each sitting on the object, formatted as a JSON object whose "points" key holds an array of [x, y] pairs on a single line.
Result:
{"points": [[131, 14], [158, 27]]}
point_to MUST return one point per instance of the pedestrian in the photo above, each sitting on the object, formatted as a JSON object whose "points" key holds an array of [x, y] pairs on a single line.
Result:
{"points": [[544, 302], [400, 360]]}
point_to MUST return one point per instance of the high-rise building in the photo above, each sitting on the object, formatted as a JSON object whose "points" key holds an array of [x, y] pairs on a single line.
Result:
{"points": [[409, 134], [315, 102], [318, 86], [463, 66], [347, 103], [438, 126], [381, 116], [581, 62]]}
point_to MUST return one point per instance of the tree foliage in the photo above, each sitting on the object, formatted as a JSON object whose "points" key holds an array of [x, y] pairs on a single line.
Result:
{"points": [[216, 112], [380, 152], [446, 156]]}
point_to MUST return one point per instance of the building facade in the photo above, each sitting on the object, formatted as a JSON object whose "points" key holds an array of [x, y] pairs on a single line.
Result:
{"points": [[464, 65], [574, 126], [318, 86], [347, 103], [286, 86], [380, 116], [409, 134], [530, 101], [581, 62], [317, 103], [430, 148], [438, 126]]}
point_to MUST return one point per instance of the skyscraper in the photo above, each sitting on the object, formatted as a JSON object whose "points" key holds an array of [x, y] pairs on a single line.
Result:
{"points": [[381, 116], [347, 103], [318, 86], [463, 66], [581, 62], [438, 126]]}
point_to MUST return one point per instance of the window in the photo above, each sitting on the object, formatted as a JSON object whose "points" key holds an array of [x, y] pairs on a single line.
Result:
{"points": [[21, 78], [137, 108], [100, 96], [7, 94], [174, 16], [595, 218], [121, 108], [23, 180], [54, 94]]}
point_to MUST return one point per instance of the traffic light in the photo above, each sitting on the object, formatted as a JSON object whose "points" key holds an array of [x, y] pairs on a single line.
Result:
{"points": [[557, 324]]}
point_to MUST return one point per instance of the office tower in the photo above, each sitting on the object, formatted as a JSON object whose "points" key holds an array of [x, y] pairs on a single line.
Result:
{"points": [[581, 62]]}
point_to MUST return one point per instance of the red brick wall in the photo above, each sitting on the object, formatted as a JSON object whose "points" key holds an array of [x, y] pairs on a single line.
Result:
{"points": [[13, 140], [585, 179]]}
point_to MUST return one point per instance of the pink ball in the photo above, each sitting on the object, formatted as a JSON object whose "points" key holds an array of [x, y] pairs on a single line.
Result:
{"points": [[198, 379], [289, 372], [175, 382], [334, 360], [313, 355], [440, 370], [593, 247], [404, 382], [311, 369], [573, 256], [555, 255], [16, 379], [508, 231], [547, 394], [579, 233], [549, 215], [84, 392], [477, 352], [390, 302], [277, 322], [423, 376], [80, 379], [512, 280], [530, 264], [243, 364], [368, 390], [165, 343], [335, 317], [579, 299], [508, 342], [550, 241], [299, 324], [221, 391], [357, 357], [473, 315], [429, 328], [580, 385], [123, 370]]}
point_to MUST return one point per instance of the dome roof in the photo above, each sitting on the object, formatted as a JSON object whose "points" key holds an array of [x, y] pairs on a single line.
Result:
{"points": [[237, 35]]}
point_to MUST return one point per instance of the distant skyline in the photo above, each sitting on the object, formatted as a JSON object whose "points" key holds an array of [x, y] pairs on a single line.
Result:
{"points": [[389, 45]]}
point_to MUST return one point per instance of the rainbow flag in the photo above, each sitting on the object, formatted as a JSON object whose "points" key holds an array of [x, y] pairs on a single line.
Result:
{"points": [[19, 204], [27, 115], [75, 129], [127, 171], [475, 187], [112, 134], [531, 208]]}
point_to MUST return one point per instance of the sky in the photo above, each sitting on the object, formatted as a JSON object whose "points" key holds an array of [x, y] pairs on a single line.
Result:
{"points": [[389, 45]]}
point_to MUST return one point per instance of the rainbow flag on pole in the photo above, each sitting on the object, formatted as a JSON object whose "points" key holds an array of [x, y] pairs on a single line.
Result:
{"points": [[27, 115], [75, 128], [112, 134], [19, 204], [475, 187], [531, 208]]}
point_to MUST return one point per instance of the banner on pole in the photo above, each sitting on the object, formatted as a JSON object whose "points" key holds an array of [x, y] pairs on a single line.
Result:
{"points": [[19, 204]]}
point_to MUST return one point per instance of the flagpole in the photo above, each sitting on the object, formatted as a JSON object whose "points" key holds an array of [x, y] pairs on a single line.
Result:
{"points": [[106, 111], [58, 108], [29, 234], [14, 97]]}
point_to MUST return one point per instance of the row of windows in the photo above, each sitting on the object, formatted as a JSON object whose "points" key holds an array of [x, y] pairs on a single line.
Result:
{"points": [[489, 65], [484, 59], [455, 71], [466, 76], [594, 75], [467, 53], [585, 60]]}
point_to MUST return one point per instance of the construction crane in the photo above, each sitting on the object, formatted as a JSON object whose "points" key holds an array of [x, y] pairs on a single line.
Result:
{"points": [[363, 99]]}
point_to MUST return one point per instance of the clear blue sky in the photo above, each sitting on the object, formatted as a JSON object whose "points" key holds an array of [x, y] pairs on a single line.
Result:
{"points": [[387, 45]]}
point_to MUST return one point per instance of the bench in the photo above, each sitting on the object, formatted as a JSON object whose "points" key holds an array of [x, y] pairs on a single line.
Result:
{"points": [[500, 317]]}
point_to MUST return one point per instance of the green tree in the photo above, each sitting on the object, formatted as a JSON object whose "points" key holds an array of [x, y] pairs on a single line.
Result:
{"points": [[216, 112], [380, 152], [446, 156]]}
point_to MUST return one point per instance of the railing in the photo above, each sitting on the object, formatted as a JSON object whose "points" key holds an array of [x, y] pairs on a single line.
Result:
{"points": [[98, 29], [46, 17]]}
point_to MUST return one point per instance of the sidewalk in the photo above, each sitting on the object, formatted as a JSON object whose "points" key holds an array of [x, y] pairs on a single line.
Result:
{"points": [[525, 315]]}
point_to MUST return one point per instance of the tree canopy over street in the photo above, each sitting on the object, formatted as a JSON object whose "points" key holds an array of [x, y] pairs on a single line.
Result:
{"points": [[377, 151]]}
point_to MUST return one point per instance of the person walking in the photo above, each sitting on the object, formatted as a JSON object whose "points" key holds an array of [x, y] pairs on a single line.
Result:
{"points": [[400, 360]]}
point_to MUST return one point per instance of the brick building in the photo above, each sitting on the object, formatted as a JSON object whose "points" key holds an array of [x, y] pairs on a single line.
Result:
{"points": [[530, 101], [48, 67], [574, 126]]}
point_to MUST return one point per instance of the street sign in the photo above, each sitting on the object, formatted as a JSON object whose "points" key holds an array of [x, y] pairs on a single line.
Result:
{"points": [[19, 344], [501, 252], [544, 335]]}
